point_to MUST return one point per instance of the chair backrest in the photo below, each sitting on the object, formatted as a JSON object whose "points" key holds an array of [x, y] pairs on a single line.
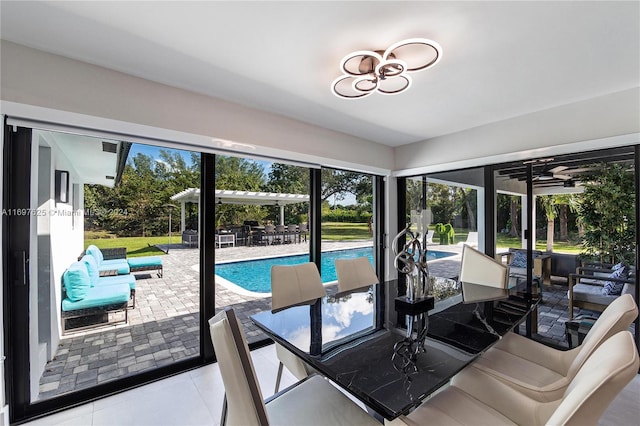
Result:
{"points": [[430, 233], [478, 268], [269, 228], [295, 284], [617, 317], [355, 273], [245, 405], [304, 227], [472, 237], [292, 227], [602, 377], [279, 228]]}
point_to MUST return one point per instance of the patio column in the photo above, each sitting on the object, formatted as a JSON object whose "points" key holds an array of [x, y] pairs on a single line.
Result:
{"points": [[282, 214], [182, 218]]}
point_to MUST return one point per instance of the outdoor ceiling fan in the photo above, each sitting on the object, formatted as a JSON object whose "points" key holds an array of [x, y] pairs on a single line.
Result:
{"points": [[554, 173]]}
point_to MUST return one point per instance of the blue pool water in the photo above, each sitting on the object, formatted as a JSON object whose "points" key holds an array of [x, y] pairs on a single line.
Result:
{"points": [[255, 275]]}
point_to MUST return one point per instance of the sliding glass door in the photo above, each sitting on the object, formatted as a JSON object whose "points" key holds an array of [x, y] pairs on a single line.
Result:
{"points": [[105, 294]]}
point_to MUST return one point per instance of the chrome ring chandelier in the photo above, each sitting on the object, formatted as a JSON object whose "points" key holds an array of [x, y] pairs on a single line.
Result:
{"points": [[365, 71]]}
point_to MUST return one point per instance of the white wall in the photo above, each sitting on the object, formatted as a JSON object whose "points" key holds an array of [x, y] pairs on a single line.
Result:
{"points": [[589, 124], [34, 77]]}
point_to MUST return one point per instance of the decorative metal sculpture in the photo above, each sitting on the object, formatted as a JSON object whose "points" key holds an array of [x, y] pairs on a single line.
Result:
{"points": [[412, 261]]}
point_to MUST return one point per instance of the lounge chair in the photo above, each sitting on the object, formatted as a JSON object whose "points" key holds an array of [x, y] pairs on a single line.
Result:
{"points": [[516, 260], [430, 233], [472, 240]]}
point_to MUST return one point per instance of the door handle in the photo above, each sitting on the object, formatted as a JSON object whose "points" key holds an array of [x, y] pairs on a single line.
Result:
{"points": [[22, 267]]}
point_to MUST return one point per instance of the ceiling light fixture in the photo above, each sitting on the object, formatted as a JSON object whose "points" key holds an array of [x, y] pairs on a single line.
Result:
{"points": [[365, 71]]}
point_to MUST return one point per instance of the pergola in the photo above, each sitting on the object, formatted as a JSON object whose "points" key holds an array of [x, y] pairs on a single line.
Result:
{"points": [[192, 195]]}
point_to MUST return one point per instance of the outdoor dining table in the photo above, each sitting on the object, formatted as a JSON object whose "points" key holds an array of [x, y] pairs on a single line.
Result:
{"points": [[359, 340]]}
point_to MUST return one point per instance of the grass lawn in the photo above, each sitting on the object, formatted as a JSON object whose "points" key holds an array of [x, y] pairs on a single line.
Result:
{"points": [[503, 242], [344, 231], [136, 246]]}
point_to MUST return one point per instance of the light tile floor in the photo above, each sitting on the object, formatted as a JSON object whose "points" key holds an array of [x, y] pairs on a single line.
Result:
{"points": [[195, 398]]}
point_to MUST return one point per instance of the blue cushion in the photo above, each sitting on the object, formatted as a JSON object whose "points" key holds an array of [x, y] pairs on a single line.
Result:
{"points": [[76, 281], [99, 296], [119, 265], [519, 260], [127, 279], [612, 288], [137, 262], [96, 253], [92, 268]]}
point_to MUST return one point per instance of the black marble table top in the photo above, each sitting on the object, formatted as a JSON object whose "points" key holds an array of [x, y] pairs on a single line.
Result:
{"points": [[353, 338]]}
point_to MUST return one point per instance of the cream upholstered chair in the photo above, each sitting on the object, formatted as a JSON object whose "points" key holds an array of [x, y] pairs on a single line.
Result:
{"points": [[293, 285], [543, 373], [311, 402], [476, 398], [478, 268], [355, 273]]}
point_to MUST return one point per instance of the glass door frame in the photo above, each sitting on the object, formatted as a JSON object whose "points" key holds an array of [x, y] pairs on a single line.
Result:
{"points": [[16, 196]]}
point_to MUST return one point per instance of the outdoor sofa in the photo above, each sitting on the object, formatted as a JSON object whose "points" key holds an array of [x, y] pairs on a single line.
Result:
{"points": [[114, 261], [594, 287], [87, 295]]}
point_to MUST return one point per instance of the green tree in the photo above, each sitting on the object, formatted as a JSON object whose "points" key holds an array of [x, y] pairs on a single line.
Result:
{"points": [[444, 202], [239, 174], [607, 212], [285, 178], [550, 211]]}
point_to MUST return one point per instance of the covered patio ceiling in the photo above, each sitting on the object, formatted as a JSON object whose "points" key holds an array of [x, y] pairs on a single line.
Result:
{"points": [[565, 173], [223, 196]]}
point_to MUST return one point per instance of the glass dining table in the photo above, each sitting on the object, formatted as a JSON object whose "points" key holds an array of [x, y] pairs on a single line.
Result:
{"points": [[360, 341]]}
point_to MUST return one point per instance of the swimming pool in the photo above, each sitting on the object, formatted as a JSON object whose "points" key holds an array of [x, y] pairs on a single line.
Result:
{"points": [[255, 275]]}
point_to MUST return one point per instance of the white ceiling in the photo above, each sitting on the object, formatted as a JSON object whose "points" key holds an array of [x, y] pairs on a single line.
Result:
{"points": [[500, 59]]}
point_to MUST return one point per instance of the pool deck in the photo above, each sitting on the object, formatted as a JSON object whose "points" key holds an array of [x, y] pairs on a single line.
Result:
{"points": [[164, 327]]}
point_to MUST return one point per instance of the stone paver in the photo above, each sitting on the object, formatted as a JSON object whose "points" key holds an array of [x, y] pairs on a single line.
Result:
{"points": [[164, 326]]}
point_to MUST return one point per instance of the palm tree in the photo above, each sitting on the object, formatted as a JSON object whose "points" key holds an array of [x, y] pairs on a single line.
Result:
{"points": [[550, 209]]}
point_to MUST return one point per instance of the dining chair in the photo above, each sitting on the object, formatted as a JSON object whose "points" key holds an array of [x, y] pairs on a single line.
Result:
{"points": [[355, 273], [478, 268], [292, 233], [293, 285], [543, 373], [313, 401], [477, 398], [269, 233], [279, 234]]}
